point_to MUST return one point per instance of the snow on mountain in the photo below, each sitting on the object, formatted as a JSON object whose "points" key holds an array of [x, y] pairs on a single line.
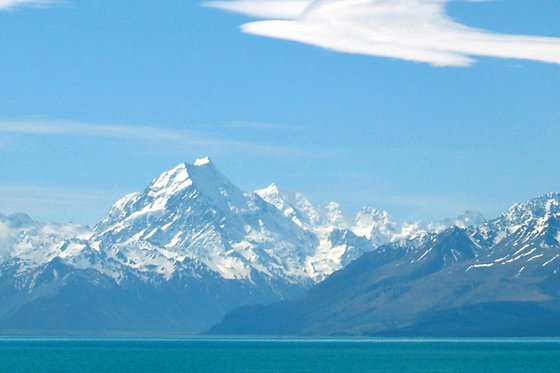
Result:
{"points": [[34, 243], [342, 240], [215, 223], [196, 243], [464, 220], [526, 238], [295, 206], [375, 225], [532, 212], [334, 215], [192, 216], [193, 212], [497, 279], [324, 223]]}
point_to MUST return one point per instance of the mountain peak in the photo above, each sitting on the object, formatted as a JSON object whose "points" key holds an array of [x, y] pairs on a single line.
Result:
{"points": [[275, 195], [530, 211], [552, 204], [450, 246], [374, 213], [180, 176], [271, 189], [375, 225], [274, 186], [202, 161], [295, 206]]}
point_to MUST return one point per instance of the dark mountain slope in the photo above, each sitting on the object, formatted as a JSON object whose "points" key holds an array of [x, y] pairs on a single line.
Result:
{"points": [[452, 285]]}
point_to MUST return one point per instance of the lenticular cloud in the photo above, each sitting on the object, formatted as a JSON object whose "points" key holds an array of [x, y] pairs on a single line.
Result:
{"points": [[10, 4], [413, 30]]}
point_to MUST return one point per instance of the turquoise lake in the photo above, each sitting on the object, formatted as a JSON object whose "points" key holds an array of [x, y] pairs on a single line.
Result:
{"points": [[278, 355]]}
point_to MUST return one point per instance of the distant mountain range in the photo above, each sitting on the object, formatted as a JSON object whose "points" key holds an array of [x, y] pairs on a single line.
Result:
{"points": [[497, 279], [178, 256]]}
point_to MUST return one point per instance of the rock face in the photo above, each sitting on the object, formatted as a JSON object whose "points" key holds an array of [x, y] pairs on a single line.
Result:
{"points": [[498, 279], [177, 256]]}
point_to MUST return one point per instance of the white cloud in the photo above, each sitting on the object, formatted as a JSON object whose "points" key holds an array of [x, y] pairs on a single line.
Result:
{"points": [[286, 9], [413, 30], [141, 133], [11, 4]]}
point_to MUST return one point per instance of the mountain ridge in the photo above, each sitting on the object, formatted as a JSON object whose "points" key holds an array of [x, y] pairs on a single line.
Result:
{"points": [[498, 279], [192, 238]]}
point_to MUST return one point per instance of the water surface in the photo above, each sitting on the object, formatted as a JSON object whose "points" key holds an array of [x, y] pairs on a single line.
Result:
{"points": [[279, 355]]}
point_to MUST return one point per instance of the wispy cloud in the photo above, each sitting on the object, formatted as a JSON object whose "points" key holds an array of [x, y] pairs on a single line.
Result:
{"points": [[412, 30], [141, 133], [262, 126], [279, 9], [12, 4]]}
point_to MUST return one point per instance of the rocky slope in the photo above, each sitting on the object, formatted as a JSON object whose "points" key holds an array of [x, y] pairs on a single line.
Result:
{"points": [[498, 279]]}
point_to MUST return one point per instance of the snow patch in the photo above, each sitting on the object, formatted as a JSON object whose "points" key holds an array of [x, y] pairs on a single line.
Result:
{"points": [[424, 254], [551, 260], [482, 265], [202, 161], [535, 257]]}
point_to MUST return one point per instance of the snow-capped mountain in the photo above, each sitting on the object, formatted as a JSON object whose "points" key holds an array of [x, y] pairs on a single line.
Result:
{"points": [[192, 240], [295, 206], [342, 240], [523, 239], [193, 212], [34, 243], [498, 279], [376, 226], [336, 243]]}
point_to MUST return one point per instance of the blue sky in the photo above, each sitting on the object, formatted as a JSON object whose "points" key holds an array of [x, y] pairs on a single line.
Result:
{"points": [[99, 97]]}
